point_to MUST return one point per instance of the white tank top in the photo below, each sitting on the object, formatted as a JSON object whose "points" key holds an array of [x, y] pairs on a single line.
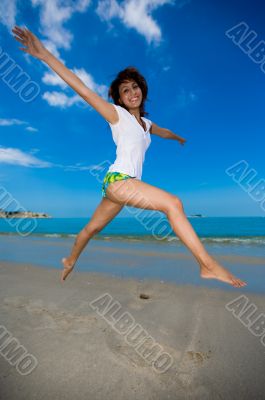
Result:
{"points": [[132, 142]]}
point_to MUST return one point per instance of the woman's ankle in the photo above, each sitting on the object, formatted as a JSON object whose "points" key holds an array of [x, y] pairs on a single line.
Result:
{"points": [[71, 260], [205, 260]]}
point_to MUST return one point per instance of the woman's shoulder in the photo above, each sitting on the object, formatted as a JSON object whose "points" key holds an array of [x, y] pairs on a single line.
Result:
{"points": [[120, 110], [121, 114], [118, 106]]}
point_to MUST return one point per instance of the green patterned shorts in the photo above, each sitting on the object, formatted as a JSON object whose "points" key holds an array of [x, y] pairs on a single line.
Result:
{"points": [[112, 177]]}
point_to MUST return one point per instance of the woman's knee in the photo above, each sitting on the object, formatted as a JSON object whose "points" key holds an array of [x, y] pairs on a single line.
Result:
{"points": [[175, 204], [92, 230]]}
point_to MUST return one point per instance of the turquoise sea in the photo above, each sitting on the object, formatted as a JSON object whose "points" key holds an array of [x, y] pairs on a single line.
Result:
{"points": [[222, 229]]}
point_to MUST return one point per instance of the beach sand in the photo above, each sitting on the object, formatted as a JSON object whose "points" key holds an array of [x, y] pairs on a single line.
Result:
{"points": [[77, 350]]}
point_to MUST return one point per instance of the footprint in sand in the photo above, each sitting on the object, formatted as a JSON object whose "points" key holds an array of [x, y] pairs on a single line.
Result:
{"points": [[198, 356]]}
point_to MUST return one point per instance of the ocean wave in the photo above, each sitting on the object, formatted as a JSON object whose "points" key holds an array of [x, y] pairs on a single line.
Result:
{"points": [[247, 240], [236, 240], [62, 235], [257, 240]]}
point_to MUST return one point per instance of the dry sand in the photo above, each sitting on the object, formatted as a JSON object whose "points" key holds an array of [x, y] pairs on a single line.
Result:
{"points": [[77, 352]]}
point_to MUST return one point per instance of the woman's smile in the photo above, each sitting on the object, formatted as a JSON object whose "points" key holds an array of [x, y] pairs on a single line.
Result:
{"points": [[134, 99]]}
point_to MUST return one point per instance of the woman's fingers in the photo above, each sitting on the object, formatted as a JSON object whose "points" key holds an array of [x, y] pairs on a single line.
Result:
{"points": [[18, 31], [17, 27], [22, 34], [22, 30], [19, 40], [24, 49], [17, 35], [22, 37]]}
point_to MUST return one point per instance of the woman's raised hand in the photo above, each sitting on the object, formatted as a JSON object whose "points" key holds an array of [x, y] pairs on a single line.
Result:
{"points": [[27, 38]]}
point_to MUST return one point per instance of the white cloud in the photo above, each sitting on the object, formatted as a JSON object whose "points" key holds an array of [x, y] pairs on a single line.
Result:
{"points": [[52, 49], [82, 5], [10, 122], [87, 78], [108, 9], [14, 121], [78, 167], [31, 129], [53, 14], [15, 156], [8, 10], [136, 14], [51, 78], [61, 99]]}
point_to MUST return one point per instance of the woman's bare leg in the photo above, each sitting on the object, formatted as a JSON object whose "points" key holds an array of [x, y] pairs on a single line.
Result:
{"points": [[104, 213], [136, 193], [209, 267]]}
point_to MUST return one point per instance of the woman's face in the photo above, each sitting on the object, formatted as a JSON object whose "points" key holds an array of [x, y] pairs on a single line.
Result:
{"points": [[130, 94]]}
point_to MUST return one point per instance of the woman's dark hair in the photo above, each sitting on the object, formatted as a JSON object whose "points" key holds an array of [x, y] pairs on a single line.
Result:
{"points": [[129, 73]]}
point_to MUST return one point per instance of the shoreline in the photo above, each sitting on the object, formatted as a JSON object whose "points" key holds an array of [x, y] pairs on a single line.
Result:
{"points": [[140, 260]]}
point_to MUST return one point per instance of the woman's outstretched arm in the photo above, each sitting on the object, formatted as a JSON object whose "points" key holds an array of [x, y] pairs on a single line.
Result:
{"points": [[36, 49], [165, 133]]}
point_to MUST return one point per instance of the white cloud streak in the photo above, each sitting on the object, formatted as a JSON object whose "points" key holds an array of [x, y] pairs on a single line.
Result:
{"points": [[14, 121], [136, 14], [61, 99], [31, 129], [53, 15], [14, 156], [8, 11], [17, 157], [11, 121]]}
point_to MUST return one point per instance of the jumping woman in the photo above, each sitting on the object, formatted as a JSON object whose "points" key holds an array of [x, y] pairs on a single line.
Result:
{"points": [[122, 183]]}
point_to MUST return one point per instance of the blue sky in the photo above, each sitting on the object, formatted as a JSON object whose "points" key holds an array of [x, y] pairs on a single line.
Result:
{"points": [[202, 86]]}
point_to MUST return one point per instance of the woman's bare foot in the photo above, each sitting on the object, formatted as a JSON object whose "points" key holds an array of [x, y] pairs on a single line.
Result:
{"points": [[213, 270], [68, 267]]}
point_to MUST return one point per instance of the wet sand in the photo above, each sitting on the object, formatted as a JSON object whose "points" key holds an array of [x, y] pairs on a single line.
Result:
{"points": [[171, 263], [192, 346]]}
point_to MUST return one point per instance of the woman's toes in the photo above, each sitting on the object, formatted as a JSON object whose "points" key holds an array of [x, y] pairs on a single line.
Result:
{"points": [[240, 283]]}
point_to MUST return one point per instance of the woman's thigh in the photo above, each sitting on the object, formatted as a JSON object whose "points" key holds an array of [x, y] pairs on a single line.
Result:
{"points": [[136, 193], [103, 214]]}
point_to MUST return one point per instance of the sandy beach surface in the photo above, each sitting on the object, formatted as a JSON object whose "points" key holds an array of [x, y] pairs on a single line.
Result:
{"points": [[101, 337]]}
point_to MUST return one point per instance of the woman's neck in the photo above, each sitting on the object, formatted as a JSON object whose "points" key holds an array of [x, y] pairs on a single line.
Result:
{"points": [[136, 113]]}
